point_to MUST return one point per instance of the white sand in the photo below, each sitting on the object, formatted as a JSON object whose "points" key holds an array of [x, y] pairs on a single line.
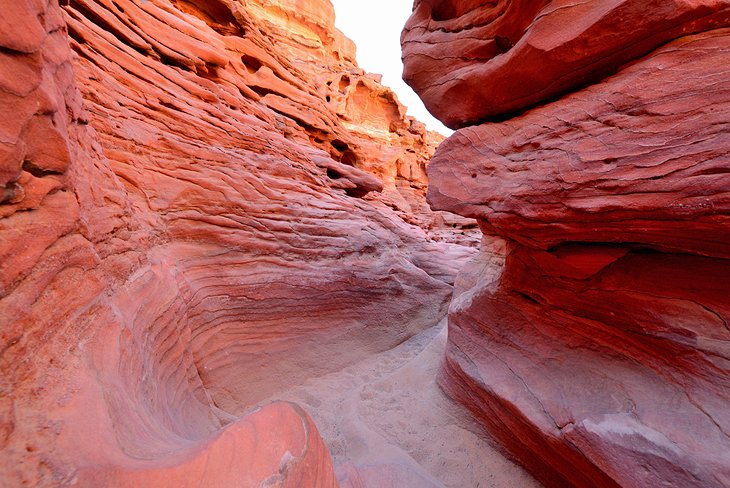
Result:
{"points": [[388, 410]]}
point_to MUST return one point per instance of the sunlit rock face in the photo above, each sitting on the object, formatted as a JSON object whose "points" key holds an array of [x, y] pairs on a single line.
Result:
{"points": [[196, 209], [591, 333], [472, 61]]}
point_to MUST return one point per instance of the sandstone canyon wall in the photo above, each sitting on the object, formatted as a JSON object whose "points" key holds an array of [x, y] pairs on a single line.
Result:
{"points": [[590, 335], [201, 201]]}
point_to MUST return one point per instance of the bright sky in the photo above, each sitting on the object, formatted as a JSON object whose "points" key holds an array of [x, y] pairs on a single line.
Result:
{"points": [[375, 26]]}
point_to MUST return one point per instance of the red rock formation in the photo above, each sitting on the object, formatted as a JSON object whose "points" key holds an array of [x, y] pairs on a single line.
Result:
{"points": [[185, 227], [591, 334], [470, 61]]}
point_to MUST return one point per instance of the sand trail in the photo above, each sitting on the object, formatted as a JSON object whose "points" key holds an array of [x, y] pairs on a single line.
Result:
{"points": [[387, 423]]}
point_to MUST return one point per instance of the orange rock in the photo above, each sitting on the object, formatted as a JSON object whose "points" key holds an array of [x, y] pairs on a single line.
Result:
{"points": [[187, 225], [275, 446]]}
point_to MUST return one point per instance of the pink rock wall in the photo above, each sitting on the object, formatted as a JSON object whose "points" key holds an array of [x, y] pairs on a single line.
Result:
{"points": [[590, 336], [187, 224]]}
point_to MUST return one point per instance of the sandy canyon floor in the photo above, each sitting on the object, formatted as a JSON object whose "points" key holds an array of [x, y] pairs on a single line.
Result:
{"points": [[389, 410]]}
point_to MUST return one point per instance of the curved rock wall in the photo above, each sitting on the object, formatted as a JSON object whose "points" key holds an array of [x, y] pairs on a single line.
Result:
{"points": [[471, 62], [197, 209], [591, 333]]}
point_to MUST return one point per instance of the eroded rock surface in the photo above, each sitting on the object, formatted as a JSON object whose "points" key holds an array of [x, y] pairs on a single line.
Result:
{"points": [[591, 333], [202, 202], [471, 61]]}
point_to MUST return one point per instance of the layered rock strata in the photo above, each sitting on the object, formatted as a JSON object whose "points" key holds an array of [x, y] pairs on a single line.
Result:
{"points": [[591, 333], [472, 61], [197, 209]]}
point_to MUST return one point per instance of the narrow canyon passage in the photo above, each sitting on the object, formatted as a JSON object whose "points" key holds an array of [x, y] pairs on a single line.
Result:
{"points": [[386, 422], [227, 251]]}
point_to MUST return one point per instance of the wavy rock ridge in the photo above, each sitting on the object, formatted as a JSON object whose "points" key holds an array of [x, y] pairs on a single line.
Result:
{"points": [[202, 202], [591, 333]]}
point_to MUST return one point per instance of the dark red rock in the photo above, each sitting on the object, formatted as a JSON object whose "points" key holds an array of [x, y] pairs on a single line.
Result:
{"points": [[470, 62], [597, 366], [642, 157], [590, 335]]}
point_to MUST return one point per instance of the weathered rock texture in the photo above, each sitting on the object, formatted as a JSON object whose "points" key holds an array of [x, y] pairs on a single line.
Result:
{"points": [[472, 61], [591, 334], [190, 218]]}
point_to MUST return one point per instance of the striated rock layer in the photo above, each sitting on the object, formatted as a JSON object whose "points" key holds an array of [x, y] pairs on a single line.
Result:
{"points": [[470, 61], [201, 203], [591, 333]]}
